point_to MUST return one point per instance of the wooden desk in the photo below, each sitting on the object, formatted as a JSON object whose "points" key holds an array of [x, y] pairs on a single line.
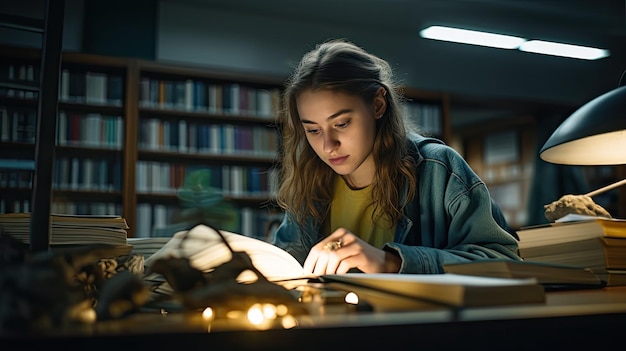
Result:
{"points": [[568, 319]]}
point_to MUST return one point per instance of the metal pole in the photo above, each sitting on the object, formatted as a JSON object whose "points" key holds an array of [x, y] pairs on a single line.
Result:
{"points": [[46, 125]]}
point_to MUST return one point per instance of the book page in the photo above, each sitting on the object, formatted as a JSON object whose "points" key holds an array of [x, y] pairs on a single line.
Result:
{"points": [[206, 250]]}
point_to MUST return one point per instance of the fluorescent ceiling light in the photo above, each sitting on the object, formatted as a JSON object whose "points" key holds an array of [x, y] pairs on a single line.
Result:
{"points": [[472, 37], [501, 41], [565, 50]]}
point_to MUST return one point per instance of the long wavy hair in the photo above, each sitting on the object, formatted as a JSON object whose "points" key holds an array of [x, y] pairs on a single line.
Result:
{"points": [[305, 186]]}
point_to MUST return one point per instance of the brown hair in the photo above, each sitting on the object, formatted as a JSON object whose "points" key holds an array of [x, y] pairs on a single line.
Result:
{"points": [[305, 180]]}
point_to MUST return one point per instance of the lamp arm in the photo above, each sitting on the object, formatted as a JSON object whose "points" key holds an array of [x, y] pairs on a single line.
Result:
{"points": [[606, 188]]}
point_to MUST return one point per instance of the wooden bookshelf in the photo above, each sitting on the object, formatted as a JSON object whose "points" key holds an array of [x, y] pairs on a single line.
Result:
{"points": [[192, 120], [502, 154], [429, 111], [83, 132], [130, 132]]}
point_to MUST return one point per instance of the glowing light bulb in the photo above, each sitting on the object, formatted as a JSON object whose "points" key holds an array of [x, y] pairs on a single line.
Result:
{"points": [[351, 298], [269, 311], [208, 314], [289, 322], [281, 310], [255, 314]]}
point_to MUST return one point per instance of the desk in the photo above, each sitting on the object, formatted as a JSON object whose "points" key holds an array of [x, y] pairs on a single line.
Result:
{"points": [[568, 319]]}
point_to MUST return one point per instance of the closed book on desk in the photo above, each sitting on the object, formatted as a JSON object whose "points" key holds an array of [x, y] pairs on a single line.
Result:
{"points": [[448, 290], [563, 232], [595, 243], [547, 274], [595, 253]]}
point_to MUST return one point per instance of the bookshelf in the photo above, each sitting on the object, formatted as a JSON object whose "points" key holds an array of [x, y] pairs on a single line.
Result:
{"points": [[429, 111], [136, 137], [216, 127], [87, 156], [503, 154]]}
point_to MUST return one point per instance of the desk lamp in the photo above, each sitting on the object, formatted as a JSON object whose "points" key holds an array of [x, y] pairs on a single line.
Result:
{"points": [[595, 134]]}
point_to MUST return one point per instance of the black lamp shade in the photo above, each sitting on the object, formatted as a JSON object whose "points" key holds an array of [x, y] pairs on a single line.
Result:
{"points": [[595, 134]]}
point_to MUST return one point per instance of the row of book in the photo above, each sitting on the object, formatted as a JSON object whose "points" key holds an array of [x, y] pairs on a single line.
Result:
{"points": [[14, 205], [75, 129], [102, 175], [16, 178], [190, 137], [102, 88], [211, 97], [428, 117], [90, 87], [17, 125], [75, 85], [90, 130], [70, 173], [65, 207], [158, 220], [93, 87], [19, 74], [163, 178], [87, 174], [107, 131]]}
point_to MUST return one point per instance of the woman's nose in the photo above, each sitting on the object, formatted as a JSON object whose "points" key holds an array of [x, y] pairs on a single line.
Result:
{"points": [[330, 142]]}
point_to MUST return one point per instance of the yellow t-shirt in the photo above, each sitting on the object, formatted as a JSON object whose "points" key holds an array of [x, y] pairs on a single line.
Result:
{"points": [[351, 209]]}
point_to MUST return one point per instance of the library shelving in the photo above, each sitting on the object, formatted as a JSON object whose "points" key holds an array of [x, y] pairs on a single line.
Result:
{"points": [[202, 134], [158, 143], [503, 155], [90, 115], [429, 111]]}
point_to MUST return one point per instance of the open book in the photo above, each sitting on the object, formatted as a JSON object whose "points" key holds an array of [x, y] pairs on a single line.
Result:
{"points": [[205, 249]]}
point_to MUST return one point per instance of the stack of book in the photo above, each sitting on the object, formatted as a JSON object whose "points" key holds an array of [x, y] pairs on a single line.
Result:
{"points": [[147, 246], [587, 242], [70, 229]]}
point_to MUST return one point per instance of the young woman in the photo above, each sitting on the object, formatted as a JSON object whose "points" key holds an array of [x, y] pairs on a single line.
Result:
{"points": [[362, 189]]}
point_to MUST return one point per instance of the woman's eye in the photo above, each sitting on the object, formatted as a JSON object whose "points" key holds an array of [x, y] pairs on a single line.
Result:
{"points": [[312, 131], [342, 125]]}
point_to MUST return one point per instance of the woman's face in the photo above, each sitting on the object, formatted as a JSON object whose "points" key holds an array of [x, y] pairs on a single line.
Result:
{"points": [[341, 129]]}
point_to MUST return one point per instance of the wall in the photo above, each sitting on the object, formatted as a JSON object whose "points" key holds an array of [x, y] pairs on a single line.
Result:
{"points": [[120, 28], [186, 32], [72, 27], [242, 41], [196, 32]]}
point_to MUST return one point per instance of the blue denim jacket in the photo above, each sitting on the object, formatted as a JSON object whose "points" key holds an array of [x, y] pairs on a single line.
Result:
{"points": [[452, 219]]}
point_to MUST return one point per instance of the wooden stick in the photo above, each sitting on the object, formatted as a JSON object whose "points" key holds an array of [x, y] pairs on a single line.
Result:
{"points": [[606, 188]]}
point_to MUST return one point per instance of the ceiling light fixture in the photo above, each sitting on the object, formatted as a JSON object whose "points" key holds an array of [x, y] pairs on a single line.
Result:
{"points": [[472, 37], [501, 41], [564, 50]]}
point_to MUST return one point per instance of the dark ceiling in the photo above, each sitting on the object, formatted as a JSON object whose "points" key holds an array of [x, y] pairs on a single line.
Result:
{"points": [[483, 83], [556, 81]]}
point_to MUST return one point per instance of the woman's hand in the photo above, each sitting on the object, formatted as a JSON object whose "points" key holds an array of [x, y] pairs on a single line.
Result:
{"points": [[342, 250]]}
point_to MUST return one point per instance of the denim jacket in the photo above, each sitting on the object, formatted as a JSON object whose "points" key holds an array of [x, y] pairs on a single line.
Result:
{"points": [[452, 219]]}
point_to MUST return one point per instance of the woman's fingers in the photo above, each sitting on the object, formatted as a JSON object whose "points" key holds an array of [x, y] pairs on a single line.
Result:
{"points": [[328, 256]]}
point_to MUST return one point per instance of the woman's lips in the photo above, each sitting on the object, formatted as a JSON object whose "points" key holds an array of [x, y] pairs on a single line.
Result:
{"points": [[337, 160]]}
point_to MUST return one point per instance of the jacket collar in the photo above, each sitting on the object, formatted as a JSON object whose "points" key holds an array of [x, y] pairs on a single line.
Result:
{"points": [[416, 141]]}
